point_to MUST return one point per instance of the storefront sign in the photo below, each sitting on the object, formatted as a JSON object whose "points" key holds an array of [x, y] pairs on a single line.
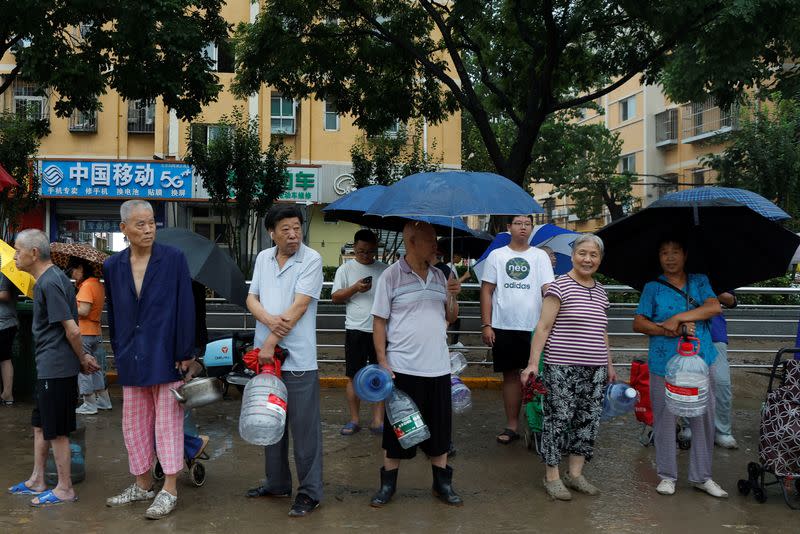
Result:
{"points": [[101, 226], [122, 179], [302, 185]]}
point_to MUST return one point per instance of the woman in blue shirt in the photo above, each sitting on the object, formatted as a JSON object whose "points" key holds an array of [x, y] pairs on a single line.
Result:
{"points": [[661, 313]]}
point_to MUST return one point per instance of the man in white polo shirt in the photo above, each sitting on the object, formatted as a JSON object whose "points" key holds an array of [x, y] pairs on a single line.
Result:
{"points": [[287, 281], [413, 305], [514, 280]]}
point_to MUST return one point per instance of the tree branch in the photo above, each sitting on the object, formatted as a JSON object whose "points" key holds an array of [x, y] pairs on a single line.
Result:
{"points": [[9, 78]]}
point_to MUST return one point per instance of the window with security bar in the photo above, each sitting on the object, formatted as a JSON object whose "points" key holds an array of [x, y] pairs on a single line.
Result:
{"points": [[141, 116]]}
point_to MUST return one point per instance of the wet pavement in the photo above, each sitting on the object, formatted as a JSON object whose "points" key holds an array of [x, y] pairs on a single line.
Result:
{"points": [[501, 485]]}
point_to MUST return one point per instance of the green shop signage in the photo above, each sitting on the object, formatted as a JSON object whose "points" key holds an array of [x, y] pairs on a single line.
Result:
{"points": [[302, 185]]}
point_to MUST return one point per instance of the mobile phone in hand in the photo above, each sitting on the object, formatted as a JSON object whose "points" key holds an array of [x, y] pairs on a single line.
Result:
{"points": [[367, 280]]}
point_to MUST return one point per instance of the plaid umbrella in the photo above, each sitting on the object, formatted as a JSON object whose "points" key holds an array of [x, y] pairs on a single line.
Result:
{"points": [[61, 253], [754, 201]]}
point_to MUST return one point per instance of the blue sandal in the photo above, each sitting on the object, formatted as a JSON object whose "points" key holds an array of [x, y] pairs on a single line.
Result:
{"points": [[48, 498], [22, 489], [349, 429]]}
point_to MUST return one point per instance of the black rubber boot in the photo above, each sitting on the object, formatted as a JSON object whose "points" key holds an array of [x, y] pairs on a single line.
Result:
{"points": [[443, 486], [388, 487]]}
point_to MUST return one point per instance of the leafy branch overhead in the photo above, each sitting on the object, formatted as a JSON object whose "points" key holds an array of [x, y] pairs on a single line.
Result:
{"points": [[242, 180], [144, 50], [520, 60]]}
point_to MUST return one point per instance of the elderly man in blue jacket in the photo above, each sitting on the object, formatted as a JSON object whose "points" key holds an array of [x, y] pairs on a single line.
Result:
{"points": [[151, 320]]}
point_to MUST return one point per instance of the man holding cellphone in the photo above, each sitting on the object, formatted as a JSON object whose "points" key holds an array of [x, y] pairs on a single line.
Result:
{"points": [[352, 286]]}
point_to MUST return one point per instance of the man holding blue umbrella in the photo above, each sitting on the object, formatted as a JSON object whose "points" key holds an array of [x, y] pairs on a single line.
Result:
{"points": [[514, 279]]}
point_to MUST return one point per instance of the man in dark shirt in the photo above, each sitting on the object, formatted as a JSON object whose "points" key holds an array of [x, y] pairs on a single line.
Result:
{"points": [[151, 321], [59, 359]]}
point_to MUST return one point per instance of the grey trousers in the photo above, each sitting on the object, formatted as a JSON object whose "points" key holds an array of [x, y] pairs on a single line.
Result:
{"points": [[303, 421], [88, 384], [723, 394], [664, 435]]}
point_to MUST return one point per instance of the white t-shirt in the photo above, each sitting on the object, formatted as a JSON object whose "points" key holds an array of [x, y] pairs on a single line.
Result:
{"points": [[519, 277], [276, 288], [359, 307]]}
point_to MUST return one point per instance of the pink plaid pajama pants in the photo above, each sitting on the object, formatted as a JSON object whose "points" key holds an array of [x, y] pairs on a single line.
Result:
{"points": [[152, 422]]}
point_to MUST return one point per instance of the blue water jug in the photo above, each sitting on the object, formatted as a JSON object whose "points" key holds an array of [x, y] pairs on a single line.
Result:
{"points": [[618, 399], [373, 383]]}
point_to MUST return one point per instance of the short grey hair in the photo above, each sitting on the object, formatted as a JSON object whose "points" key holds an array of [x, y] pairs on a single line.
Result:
{"points": [[129, 206], [589, 238], [33, 238]]}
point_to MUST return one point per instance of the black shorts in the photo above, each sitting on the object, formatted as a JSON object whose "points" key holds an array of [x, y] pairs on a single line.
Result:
{"points": [[54, 408], [7, 343], [511, 350], [433, 398], [359, 350]]}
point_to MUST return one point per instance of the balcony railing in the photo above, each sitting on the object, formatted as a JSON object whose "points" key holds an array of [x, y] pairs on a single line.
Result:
{"points": [[141, 116], [667, 128], [705, 119], [83, 121]]}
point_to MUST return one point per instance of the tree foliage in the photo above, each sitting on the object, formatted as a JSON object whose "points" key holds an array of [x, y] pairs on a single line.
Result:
{"points": [[384, 159], [142, 49], [518, 60], [242, 180], [764, 153], [19, 142]]}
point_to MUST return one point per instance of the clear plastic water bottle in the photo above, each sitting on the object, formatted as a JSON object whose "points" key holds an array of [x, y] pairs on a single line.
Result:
{"points": [[618, 399], [406, 420], [262, 420], [373, 383], [686, 380], [77, 448], [460, 394], [458, 362]]}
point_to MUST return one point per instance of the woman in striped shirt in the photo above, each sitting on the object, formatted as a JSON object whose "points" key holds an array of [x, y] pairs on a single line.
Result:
{"points": [[573, 332]]}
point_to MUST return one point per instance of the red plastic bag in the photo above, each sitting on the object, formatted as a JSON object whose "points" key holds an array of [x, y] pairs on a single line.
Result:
{"points": [[250, 360], [640, 381]]}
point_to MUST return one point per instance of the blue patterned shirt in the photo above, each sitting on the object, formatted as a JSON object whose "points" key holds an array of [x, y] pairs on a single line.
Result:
{"points": [[658, 303]]}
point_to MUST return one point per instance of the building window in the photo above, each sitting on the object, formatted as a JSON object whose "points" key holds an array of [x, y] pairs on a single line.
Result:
{"points": [[83, 121], [30, 101], [627, 109], [221, 56], [141, 116], [282, 115], [698, 177], [206, 132], [628, 163], [393, 130], [331, 116]]}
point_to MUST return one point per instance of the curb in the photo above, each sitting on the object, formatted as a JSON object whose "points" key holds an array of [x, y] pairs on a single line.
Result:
{"points": [[472, 382]]}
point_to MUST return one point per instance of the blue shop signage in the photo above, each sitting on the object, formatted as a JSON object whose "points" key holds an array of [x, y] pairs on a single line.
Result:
{"points": [[116, 179]]}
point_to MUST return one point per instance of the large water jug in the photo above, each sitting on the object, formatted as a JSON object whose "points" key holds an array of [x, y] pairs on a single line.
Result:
{"points": [[460, 394], [686, 380], [262, 420], [406, 420], [458, 362], [373, 383], [618, 399], [77, 447]]}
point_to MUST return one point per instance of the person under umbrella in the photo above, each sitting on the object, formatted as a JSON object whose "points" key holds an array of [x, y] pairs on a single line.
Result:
{"points": [[674, 300], [91, 297]]}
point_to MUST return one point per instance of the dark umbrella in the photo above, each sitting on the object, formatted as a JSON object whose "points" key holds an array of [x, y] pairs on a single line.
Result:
{"points": [[754, 201], [729, 242], [208, 264], [352, 207]]}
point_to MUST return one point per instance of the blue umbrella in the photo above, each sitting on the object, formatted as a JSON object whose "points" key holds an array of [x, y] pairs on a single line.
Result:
{"points": [[454, 194], [754, 201], [352, 208]]}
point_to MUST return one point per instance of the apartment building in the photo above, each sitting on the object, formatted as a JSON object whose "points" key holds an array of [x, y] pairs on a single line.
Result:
{"points": [[92, 162], [663, 143]]}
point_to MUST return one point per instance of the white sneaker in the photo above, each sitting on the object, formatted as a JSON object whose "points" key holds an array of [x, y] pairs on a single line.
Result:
{"points": [[726, 441], [712, 488], [86, 409], [103, 401], [685, 434], [132, 493], [666, 487], [162, 506]]}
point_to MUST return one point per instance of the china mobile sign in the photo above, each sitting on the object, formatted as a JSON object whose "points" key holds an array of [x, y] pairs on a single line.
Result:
{"points": [[116, 179]]}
